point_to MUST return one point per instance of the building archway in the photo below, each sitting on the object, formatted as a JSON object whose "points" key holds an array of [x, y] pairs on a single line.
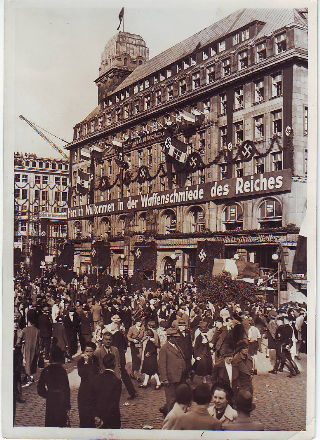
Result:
{"points": [[195, 220], [168, 223]]}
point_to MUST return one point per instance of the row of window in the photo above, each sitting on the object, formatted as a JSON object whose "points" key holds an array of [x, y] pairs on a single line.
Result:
{"points": [[269, 216], [24, 178], [280, 45], [34, 229], [160, 96], [45, 165], [23, 194]]}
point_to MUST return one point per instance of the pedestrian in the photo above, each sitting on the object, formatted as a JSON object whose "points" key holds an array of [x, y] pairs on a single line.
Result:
{"points": [[183, 402], [221, 408], [149, 364], [172, 368], [198, 417], [96, 311], [107, 410], [86, 327], [45, 327], [202, 354], [31, 347], [254, 343], [242, 369], [88, 367], [243, 422], [135, 336], [71, 322], [53, 385], [59, 336], [223, 372], [108, 348]]}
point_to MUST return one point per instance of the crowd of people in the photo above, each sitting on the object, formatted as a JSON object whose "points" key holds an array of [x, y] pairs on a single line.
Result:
{"points": [[201, 355]]}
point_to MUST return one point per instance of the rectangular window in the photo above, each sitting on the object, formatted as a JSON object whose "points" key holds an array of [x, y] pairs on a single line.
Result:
{"points": [[276, 161], [238, 132], [44, 195], [170, 92], [25, 178], [158, 97], [136, 107], [24, 194], [127, 94], [259, 91], [277, 123], [118, 114], [40, 164], [205, 54], [108, 119], [206, 106], [280, 43], [17, 177], [259, 165], [100, 122], [186, 64], [226, 67], [223, 104], [243, 60], [146, 83], [64, 196], [34, 164], [235, 39], [45, 180], [37, 194], [149, 156], [276, 85], [210, 74], [182, 86], [126, 113], [64, 181], [37, 179], [223, 137], [196, 80], [162, 76], [57, 180], [213, 51], [245, 35], [92, 126], [238, 98], [23, 226], [261, 51], [258, 127], [223, 171], [305, 122], [140, 85], [221, 46], [169, 73], [57, 196], [239, 169], [135, 89], [147, 102], [54, 166], [60, 166], [140, 157], [17, 193]]}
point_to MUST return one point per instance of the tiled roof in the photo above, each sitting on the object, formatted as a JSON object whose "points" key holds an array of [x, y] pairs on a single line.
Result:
{"points": [[274, 19]]}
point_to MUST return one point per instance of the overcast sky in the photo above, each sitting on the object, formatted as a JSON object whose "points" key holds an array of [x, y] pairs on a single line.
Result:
{"points": [[53, 52]]}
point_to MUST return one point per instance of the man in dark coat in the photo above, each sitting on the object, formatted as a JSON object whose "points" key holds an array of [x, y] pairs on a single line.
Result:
{"points": [[71, 322], [185, 343], [107, 410], [242, 369], [53, 385], [59, 336], [86, 327], [172, 367], [45, 327]]}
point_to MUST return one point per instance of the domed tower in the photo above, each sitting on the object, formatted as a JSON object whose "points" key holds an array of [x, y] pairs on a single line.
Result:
{"points": [[122, 54]]}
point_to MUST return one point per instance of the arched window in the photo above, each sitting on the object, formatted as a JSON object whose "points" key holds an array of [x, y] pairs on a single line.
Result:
{"points": [[196, 220], [168, 222], [90, 225], [105, 226], [77, 229], [122, 221], [142, 222], [233, 217], [270, 214]]}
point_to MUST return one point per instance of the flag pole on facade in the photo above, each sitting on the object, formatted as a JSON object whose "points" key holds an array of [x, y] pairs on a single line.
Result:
{"points": [[121, 19]]}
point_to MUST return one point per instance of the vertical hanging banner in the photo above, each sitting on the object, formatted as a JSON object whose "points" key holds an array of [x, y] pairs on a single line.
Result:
{"points": [[145, 256], [37, 256], [207, 251], [66, 258], [101, 254]]}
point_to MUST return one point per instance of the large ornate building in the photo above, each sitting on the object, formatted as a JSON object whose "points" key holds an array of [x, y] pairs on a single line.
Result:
{"points": [[40, 202], [206, 141]]}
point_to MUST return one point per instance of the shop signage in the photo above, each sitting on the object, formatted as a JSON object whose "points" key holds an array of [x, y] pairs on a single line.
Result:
{"points": [[254, 185]]}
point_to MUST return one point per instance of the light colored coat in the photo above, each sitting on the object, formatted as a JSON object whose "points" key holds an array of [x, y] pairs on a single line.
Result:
{"points": [[229, 415], [172, 416]]}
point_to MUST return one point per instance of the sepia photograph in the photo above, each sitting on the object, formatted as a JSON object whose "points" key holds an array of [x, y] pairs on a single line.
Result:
{"points": [[159, 174]]}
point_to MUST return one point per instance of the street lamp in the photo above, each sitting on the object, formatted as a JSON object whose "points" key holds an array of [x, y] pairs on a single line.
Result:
{"points": [[276, 258]]}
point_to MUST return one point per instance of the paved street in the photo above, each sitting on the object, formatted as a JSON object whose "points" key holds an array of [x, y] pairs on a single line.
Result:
{"points": [[280, 402]]}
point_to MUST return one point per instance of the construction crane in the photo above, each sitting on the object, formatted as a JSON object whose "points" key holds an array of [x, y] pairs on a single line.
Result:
{"points": [[40, 131]]}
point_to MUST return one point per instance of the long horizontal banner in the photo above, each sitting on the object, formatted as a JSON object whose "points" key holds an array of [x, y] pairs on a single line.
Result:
{"points": [[254, 185]]}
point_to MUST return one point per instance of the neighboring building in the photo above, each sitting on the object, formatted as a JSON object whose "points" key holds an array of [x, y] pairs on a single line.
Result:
{"points": [[235, 96], [40, 201]]}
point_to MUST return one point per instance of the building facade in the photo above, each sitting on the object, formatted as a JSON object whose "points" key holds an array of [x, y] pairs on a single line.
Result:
{"points": [[40, 203], [206, 141]]}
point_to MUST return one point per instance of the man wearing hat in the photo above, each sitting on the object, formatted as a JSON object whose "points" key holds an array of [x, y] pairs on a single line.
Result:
{"points": [[184, 341], [243, 369], [202, 354], [222, 373], [243, 422], [172, 367]]}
